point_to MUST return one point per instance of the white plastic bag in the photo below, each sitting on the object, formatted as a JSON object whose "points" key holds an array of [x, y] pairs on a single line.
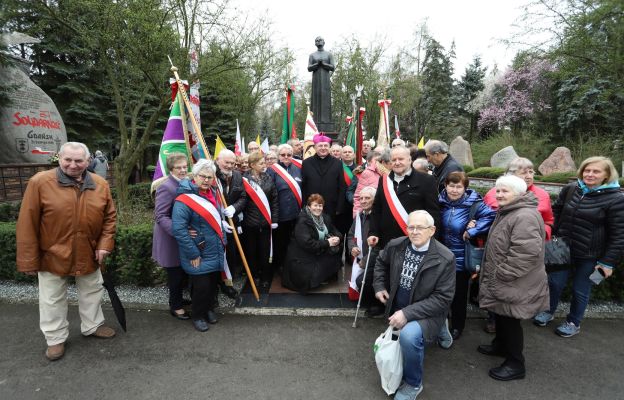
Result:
{"points": [[389, 359]]}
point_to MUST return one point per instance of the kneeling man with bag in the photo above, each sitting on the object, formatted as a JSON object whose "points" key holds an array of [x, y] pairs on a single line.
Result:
{"points": [[415, 278]]}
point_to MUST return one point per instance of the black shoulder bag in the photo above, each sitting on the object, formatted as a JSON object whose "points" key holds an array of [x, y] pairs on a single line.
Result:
{"points": [[557, 252]]}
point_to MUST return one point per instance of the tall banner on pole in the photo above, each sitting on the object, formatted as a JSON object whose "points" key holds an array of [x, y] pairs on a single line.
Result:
{"points": [[383, 137], [173, 140], [288, 125], [309, 132]]}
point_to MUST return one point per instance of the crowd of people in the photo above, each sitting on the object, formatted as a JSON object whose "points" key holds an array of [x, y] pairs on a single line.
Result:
{"points": [[406, 212]]}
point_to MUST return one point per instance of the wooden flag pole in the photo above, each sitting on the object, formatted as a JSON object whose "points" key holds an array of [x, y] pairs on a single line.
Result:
{"points": [[240, 250], [200, 137]]}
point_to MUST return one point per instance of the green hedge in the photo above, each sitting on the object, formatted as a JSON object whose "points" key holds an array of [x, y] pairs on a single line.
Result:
{"points": [[139, 196], [9, 211], [486, 172], [557, 177], [131, 261]]}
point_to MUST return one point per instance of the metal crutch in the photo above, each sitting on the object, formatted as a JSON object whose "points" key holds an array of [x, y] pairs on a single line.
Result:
{"points": [[357, 310]]}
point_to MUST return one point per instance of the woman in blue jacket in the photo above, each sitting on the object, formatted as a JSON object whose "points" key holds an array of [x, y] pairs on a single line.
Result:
{"points": [[197, 209], [456, 201]]}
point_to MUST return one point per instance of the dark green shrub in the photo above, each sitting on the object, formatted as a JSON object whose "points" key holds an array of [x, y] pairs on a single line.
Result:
{"points": [[9, 211], [131, 261], [467, 168], [8, 269], [558, 177], [138, 196], [486, 172]]}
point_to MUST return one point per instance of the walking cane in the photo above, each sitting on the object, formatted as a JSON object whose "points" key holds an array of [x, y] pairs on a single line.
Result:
{"points": [[357, 310]]}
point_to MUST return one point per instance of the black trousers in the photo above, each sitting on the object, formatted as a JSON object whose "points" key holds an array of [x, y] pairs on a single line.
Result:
{"points": [[204, 290], [256, 243], [176, 281], [510, 339], [281, 239], [460, 300]]}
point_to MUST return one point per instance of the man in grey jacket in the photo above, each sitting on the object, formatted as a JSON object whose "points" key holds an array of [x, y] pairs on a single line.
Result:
{"points": [[415, 278]]}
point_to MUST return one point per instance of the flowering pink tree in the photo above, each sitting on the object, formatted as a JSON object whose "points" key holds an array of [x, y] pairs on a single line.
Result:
{"points": [[520, 94]]}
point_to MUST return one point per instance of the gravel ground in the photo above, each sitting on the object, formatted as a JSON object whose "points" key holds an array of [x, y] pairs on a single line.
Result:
{"points": [[131, 296], [157, 298]]}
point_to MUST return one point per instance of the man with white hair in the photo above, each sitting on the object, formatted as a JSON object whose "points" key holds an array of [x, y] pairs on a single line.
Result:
{"points": [[415, 278], [336, 150], [252, 146], [398, 142], [443, 163], [297, 148], [66, 227], [358, 248], [231, 182]]}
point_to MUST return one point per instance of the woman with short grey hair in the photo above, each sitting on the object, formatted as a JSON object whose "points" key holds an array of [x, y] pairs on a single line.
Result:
{"points": [[513, 283]]}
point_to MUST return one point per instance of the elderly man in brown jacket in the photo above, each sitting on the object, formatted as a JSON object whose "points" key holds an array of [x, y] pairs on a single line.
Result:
{"points": [[66, 227]]}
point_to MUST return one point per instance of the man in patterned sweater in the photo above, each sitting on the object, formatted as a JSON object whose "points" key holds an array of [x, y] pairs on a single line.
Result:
{"points": [[415, 278]]}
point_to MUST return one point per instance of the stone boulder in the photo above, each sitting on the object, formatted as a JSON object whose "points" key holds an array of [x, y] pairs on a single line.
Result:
{"points": [[461, 151], [502, 158], [559, 161]]}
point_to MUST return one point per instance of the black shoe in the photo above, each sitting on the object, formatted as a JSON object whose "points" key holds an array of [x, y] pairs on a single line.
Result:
{"points": [[490, 350], [265, 284], [200, 325], [229, 291], [455, 334], [211, 316], [507, 373], [186, 302], [184, 316]]}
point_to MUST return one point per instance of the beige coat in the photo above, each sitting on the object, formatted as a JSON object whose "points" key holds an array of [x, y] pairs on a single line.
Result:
{"points": [[513, 279]]}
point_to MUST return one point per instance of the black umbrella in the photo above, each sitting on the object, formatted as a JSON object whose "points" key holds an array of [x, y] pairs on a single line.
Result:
{"points": [[118, 308]]}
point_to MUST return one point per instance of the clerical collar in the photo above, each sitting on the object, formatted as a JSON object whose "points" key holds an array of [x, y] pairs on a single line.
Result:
{"points": [[422, 248]]}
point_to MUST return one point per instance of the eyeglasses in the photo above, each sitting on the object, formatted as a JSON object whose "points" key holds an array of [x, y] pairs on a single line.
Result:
{"points": [[204, 176], [181, 167], [418, 228], [526, 172], [285, 155]]}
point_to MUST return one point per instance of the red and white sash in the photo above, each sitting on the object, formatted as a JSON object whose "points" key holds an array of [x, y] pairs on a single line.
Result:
{"points": [[290, 181], [205, 209], [296, 163], [354, 293], [398, 211], [256, 194]]}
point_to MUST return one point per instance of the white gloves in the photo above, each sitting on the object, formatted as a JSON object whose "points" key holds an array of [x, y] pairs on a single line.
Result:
{"points": [[274, 226], [226, 227], [229, 211], [239, 229]]}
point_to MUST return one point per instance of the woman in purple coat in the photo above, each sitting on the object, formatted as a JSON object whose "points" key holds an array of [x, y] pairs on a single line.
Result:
{"points": [[164, 246]]}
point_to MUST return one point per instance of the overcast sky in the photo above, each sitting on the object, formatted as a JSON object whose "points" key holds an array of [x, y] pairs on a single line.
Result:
{"points": [[476, 26]]}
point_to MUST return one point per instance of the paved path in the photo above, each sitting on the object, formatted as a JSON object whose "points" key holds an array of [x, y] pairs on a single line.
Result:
{"points": [[262, 357]]}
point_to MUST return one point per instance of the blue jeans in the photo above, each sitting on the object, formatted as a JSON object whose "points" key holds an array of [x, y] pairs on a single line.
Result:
{"points": [[413, 349], [581, 288]]}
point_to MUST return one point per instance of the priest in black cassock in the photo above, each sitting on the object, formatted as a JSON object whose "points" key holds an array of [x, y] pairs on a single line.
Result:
{"points": [[323, 174]]}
